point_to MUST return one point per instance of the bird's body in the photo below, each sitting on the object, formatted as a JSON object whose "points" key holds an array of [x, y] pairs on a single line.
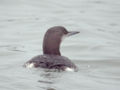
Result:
{"points": [[51, 58], [51, 62]]}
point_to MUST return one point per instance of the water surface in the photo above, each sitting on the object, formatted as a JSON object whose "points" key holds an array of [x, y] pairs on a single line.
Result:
{"points": [[96, 50]]}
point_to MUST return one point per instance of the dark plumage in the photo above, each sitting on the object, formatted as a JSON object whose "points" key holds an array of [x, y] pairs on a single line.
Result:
{"points": [[51, 58]]}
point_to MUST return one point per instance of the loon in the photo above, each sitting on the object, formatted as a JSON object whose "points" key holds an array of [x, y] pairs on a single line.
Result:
{"points": [[52, 58]]}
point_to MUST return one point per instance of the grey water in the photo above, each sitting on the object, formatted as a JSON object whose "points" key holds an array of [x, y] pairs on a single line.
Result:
{"points": [[95, 51]]}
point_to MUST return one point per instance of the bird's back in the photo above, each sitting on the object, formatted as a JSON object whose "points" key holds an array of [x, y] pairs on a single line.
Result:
{"points": [[51, 62]]}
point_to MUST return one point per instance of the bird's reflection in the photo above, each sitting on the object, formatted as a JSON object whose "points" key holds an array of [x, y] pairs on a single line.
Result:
{"points": [[49, 78]]}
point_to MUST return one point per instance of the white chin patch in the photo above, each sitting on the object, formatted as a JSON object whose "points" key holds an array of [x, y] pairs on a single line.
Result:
{"points": [[29, 65], [63, 37], [69, 69]]}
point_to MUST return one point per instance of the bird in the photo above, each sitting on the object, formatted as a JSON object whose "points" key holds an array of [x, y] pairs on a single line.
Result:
{"points": [[51, 57]]}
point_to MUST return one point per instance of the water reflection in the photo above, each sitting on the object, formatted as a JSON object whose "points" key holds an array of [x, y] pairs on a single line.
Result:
{"points": [[49, 78]]}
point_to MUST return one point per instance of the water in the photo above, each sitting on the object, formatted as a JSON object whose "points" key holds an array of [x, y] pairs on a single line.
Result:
{"points": [[96, 50]]}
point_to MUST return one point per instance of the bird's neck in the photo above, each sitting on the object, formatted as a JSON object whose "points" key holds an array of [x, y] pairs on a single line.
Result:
{"points": [[51, 47]]}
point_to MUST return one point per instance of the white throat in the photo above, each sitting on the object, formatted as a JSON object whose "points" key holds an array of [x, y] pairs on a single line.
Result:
{"points": [[63, 37]]}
